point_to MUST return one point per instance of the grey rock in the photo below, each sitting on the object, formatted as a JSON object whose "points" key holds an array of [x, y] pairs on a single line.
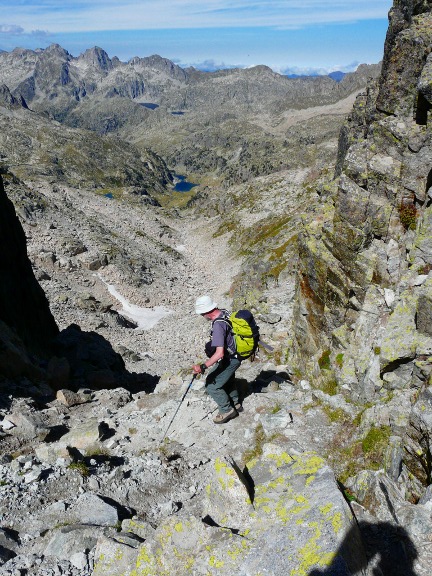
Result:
{"points": [[424, 314], [426, 498], [79, 560], [113, 557], [34, 475], [305, 385], [378, 493], [8, 540], [69, 540], [418, 438], [336, 402], [399, 378], [92, 509], [394, 457], [278, 421], [6, 424], [399, 341], [28, 425], [270, 318], [69, 398], [139, 527], [84, 436], [189, 539], [132, 540]]}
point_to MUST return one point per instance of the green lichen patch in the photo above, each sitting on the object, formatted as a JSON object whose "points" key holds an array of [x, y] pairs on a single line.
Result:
{"points": [[329, 386], [324, 360], [334, 414], [408, 215], [374, 445]]}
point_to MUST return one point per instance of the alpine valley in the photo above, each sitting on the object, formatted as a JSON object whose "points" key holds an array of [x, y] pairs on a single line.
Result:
{"points": [[127, 190]]}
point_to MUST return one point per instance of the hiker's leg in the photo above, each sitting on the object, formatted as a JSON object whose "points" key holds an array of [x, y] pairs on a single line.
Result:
{"points": [[230, 386], [216, 381]]}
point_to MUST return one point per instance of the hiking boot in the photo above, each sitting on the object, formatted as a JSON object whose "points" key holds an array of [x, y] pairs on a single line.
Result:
{"points": [[225, 417], [239, 407]]}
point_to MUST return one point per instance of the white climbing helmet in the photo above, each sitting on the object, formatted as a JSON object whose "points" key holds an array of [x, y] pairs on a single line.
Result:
{"points": [[204, 304]]}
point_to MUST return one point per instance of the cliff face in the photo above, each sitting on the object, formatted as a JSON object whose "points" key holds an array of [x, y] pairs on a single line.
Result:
{"points": [[23, 305], [364, 293]]}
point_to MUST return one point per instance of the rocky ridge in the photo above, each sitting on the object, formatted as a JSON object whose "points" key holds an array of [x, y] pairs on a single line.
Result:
{"points": [[40, 149], [364, 269], [45, 77]]}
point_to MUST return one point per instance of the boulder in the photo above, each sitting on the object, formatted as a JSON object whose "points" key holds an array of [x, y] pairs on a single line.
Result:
{"points": [[83, 437], [28, 425], [92, 509], [69, 398], [64, 542], [113, 557], [139, 527], [377, 493], [399, 341]]}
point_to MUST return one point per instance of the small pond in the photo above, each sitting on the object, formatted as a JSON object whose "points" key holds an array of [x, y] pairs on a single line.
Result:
{"points": [[150, 105], [183, 185]]}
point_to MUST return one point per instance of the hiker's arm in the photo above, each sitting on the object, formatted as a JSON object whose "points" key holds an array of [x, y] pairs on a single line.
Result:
{"points": [[218, 355]]}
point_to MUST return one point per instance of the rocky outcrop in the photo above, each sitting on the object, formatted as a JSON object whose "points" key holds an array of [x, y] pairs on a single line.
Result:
{"points": [[23, 305], [406, 48], [294, 495], [363, 293], [10, 101], [376, 231]]}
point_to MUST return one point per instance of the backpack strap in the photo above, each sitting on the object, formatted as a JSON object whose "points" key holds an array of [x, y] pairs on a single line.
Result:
{"points": [[225, 318]]}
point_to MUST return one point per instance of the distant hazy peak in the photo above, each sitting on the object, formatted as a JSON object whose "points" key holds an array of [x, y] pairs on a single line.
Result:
{"points": [[157, 62], [56, 50], [97, 57]]}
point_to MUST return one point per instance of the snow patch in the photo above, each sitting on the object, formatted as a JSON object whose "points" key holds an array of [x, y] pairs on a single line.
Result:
{"points": [[146, 318]]}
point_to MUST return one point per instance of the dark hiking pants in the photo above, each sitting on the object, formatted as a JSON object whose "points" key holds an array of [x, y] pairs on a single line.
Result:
{"points": [[220, 384]]}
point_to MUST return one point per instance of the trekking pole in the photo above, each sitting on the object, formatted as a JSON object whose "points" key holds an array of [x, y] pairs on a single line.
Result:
{"points": [[178, 407]]}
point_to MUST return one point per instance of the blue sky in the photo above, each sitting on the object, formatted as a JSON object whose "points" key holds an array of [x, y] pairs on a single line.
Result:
{"points": [[287, 35]]}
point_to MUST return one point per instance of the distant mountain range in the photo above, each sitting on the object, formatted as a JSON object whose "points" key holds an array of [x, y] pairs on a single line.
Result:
{"points": [[221, 122], [53, 81]]}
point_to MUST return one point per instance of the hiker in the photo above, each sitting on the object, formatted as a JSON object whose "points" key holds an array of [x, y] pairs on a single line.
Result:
{"points": [[223, 360]]}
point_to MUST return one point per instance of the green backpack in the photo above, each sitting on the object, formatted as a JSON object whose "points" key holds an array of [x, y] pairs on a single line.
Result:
{"points": [[245, 332]]}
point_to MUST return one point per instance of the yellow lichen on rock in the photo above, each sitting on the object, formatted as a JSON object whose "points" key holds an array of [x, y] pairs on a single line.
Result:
{"points": [[307, 464]]}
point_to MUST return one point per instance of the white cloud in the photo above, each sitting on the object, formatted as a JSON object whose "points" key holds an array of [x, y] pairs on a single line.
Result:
{"points": [[317, 71], [98, 15], [11, 29], [210, 65]]}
